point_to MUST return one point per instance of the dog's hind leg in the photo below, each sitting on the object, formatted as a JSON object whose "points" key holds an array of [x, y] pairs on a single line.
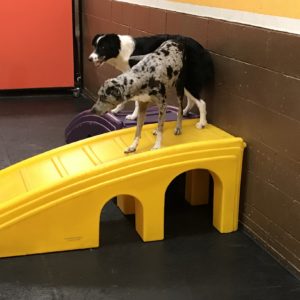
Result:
{"points": [[160, 127], [202, 109], [140, 122], [178, 128]]}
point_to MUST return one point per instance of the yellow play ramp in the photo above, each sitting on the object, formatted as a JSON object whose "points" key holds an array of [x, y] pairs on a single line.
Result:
{"points": [[53, 201]]}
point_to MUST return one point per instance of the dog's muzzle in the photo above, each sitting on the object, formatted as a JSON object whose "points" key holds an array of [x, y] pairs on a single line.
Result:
{"points": [[100, 108], [98, 61], [95, 111]]}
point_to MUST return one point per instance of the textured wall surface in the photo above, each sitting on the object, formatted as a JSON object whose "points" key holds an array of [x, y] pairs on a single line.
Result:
{"points": [[256, 97]]}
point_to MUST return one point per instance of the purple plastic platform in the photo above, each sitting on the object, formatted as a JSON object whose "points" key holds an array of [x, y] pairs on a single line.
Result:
{"points": [[87, 124]]}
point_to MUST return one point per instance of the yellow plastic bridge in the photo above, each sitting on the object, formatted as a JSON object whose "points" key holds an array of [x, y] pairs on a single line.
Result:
{"points": [[53, 201]]}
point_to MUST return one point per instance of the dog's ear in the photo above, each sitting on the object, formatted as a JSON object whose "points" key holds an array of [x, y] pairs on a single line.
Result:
{"points": [[100, 92], [115, 91], [95, 39]]}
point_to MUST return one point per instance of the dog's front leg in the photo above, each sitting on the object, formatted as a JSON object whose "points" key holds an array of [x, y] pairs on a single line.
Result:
{"points": [[134, 115], [144, 98], [140, 122], [188, 107], [161, 120], [201, 106], [118, 108]]}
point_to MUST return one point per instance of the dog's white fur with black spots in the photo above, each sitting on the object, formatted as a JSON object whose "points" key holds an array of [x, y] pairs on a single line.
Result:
{"points": [[152, 76]]}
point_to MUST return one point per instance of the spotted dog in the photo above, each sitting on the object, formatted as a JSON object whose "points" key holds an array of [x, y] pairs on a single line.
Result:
{"points": [[124, 51], [153, 76]]}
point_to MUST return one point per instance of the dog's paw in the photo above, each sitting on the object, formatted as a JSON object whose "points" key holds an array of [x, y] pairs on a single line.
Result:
{"points": [[185, 112], [177, 131], [156, 147], [130, 149], [201, 124], [154, 132], [131, 117]]}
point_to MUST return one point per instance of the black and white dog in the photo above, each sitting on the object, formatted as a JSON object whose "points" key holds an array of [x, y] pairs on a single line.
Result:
{"points": [[124, 51], [153, 76]]}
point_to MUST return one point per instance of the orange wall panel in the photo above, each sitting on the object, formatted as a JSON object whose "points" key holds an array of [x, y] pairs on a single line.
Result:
{"points": [[36, 44]]}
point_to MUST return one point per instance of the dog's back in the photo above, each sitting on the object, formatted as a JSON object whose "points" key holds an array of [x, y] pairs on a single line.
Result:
{"points": [[198, 60], [156, 72]]}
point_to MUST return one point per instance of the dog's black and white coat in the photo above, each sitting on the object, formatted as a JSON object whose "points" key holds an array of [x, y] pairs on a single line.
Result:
{"points": [[153, 76], [124, 51]]}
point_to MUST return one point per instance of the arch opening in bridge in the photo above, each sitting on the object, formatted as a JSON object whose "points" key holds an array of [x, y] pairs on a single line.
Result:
{"points": [[188, 203], [117, 220]]}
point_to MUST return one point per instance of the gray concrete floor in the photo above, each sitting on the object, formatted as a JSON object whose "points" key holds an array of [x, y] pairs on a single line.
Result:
{"points": [[193, 262]]}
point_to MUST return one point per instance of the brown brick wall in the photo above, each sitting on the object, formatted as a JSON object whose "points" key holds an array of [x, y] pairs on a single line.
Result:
{"points": [[256, 97]]}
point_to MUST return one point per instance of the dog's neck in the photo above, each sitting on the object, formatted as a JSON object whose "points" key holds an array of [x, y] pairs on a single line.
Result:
{"points": [[127, 47], [128, 89]]}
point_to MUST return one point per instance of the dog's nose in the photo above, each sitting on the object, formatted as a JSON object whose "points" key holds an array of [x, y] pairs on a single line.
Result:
{"points": [[90, 58]]}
